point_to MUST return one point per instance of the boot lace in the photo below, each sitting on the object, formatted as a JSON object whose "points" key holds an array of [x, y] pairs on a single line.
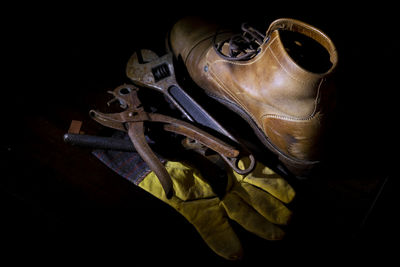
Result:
{"points": [[242, 46]]}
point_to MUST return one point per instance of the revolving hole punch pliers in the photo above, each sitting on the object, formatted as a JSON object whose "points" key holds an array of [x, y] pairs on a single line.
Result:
{"points": [[132, 119]]}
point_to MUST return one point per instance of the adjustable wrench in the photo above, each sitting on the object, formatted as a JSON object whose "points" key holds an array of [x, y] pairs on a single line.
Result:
{"points": [[145, 68]]}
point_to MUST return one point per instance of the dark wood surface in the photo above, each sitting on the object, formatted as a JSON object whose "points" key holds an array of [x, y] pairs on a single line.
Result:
{"points": [[60, 200]]}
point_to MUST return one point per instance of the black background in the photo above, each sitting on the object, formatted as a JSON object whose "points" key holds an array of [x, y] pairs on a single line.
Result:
{"points": [[60, 201]]}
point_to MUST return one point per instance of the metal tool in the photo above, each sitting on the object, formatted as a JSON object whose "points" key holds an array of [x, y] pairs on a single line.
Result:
{"points": [[132, 120], [99, 142], [147, 69]]}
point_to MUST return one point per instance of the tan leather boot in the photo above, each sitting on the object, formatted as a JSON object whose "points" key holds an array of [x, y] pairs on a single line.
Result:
{"points": [[278, 82]]}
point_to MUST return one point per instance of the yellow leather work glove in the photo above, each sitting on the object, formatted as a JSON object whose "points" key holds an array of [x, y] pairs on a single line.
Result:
{"points": [[254, 201]]}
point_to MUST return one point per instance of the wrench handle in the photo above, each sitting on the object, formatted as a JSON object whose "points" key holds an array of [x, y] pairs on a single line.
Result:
{"points": [[193, 111]]}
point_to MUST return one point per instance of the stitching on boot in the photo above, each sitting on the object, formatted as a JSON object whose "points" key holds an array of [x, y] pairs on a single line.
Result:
{"points": [[291, 118]]}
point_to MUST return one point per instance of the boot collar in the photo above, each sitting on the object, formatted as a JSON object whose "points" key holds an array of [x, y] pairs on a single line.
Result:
{"points": [[308, 30]]}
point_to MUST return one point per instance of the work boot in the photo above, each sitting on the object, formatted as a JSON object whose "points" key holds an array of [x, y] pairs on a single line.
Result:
{"points": [[278, 82]]}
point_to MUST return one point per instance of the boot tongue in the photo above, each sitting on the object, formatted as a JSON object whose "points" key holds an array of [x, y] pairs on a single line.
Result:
{"points": [[242, 46], [235, 53]]}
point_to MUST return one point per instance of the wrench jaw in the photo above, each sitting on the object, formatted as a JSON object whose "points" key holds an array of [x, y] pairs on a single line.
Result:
{"points": [[145, 68]]}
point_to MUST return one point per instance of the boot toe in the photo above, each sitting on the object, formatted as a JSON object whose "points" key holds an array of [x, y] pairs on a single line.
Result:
{"points": [[187, 33]]}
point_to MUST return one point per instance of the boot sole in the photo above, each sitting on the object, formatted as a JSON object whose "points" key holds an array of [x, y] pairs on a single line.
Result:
{"points": [[300, 168]]}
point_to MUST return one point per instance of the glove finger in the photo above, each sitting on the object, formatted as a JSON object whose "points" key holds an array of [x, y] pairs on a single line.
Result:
{"points": [[194, 199], [187, 182], [268, 206], [250, 219], [266, 179], [211, 223]]}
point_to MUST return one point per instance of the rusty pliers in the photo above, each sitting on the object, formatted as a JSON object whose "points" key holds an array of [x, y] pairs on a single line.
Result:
{"points": [[132, 120]]}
